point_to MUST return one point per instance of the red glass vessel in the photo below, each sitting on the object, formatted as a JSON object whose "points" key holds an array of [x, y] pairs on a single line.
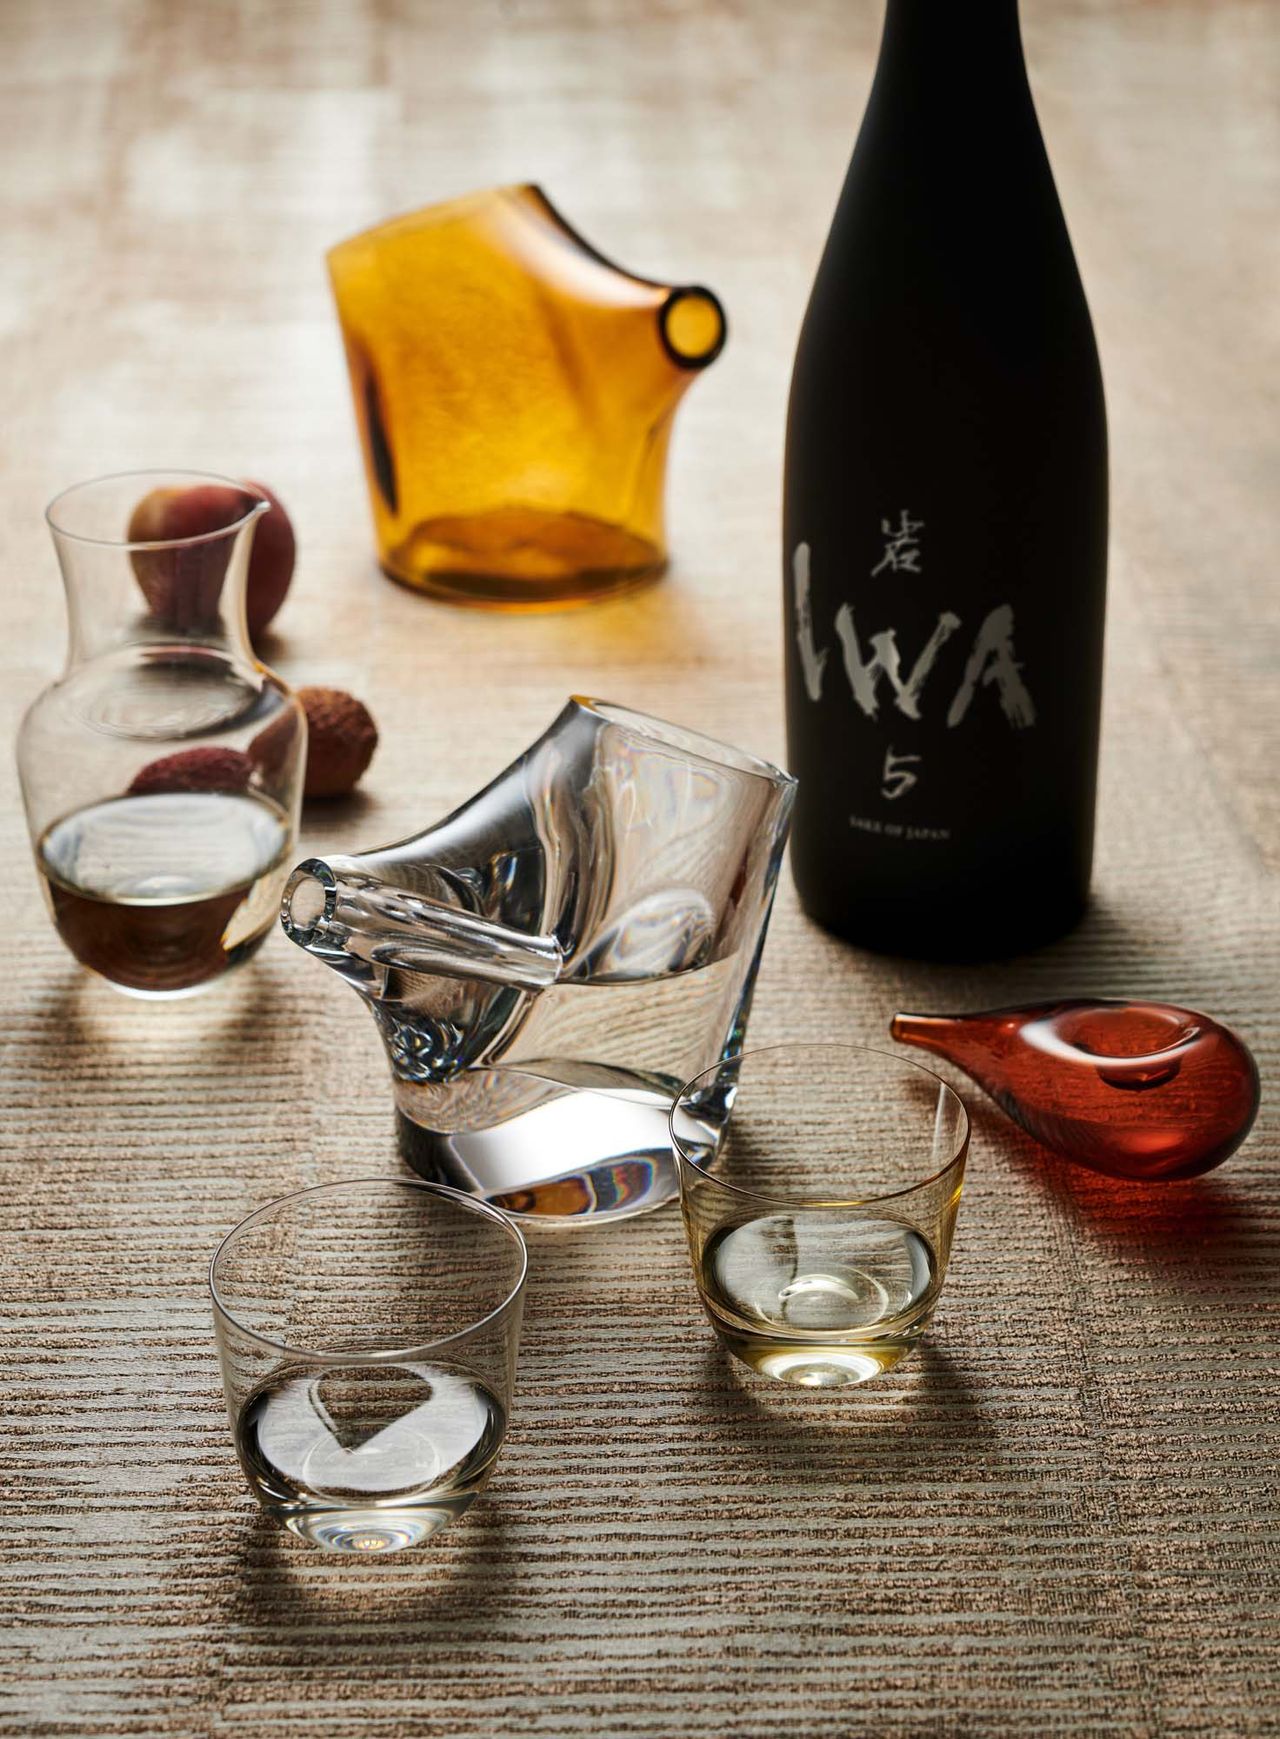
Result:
{"points": [[1140, 1090]]}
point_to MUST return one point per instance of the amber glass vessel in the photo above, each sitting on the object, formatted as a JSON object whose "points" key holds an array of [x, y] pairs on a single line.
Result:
{"points": [[514, 393], [1140, 1090]]}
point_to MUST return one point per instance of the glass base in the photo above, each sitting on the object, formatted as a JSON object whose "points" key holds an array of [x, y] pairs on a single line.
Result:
{"points": [[595, 1155], [243, 952], [817, 1364], [996, 924], [372, 1533], [523, 559], [494, 592]]}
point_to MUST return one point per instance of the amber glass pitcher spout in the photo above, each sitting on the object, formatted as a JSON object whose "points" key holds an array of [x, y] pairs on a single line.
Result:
{"points": [[514, 392]]}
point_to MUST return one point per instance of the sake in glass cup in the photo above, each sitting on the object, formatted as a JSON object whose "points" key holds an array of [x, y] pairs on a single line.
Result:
{"points": [[819, 1185], [368, 1334]]}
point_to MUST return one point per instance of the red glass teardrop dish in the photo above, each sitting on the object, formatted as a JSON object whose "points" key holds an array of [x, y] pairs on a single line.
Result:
{"points": [[1140, 1090]]}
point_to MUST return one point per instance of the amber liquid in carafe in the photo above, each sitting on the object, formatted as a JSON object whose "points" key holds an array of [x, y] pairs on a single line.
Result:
{"points": [[161, 893]]}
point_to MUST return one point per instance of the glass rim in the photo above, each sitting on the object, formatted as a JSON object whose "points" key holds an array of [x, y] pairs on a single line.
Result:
{"points": [[389, 1354], [683, 740], [258, 500], [834, 1201]]}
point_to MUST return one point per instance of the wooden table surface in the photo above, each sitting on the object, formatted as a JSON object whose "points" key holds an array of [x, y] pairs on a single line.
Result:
{"points": [[1061, 1518]]}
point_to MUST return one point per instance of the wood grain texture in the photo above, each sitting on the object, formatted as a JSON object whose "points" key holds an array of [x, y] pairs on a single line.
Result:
{"points": [[1062, 1517]]}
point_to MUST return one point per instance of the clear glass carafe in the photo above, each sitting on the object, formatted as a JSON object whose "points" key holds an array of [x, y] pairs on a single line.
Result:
{"points": [[162, 772], [551, 962]]}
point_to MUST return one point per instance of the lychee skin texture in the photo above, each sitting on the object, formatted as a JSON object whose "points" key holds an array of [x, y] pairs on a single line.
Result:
{"points": [[341, 738], [194, 770], [271, 562]]}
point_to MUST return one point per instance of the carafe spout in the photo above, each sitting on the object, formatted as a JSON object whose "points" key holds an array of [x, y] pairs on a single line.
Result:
{"points": [[692, 327], [335, 910]]}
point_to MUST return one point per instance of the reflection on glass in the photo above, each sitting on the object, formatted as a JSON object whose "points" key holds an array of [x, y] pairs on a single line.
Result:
{"points": [[592, 920]]}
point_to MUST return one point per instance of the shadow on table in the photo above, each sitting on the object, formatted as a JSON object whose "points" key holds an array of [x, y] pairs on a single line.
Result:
{"points": [[348, 1605], [662, 624], [324, 816], [104, 1063], [922, 1420], [1211, 1235], [80, 1023], [1112, 952]]}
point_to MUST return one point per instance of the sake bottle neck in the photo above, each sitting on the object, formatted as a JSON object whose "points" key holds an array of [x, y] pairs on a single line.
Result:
{"points": [[967, 44], [950, 110]]}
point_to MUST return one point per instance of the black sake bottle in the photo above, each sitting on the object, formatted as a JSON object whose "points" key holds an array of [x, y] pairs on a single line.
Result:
{"points": [[945, 522]]}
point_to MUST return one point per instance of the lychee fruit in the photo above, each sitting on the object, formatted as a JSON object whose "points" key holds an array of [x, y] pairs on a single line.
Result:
{"points": [[341, 738], [182, 581], [194, 770], [270, 562], [183, 584]]}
